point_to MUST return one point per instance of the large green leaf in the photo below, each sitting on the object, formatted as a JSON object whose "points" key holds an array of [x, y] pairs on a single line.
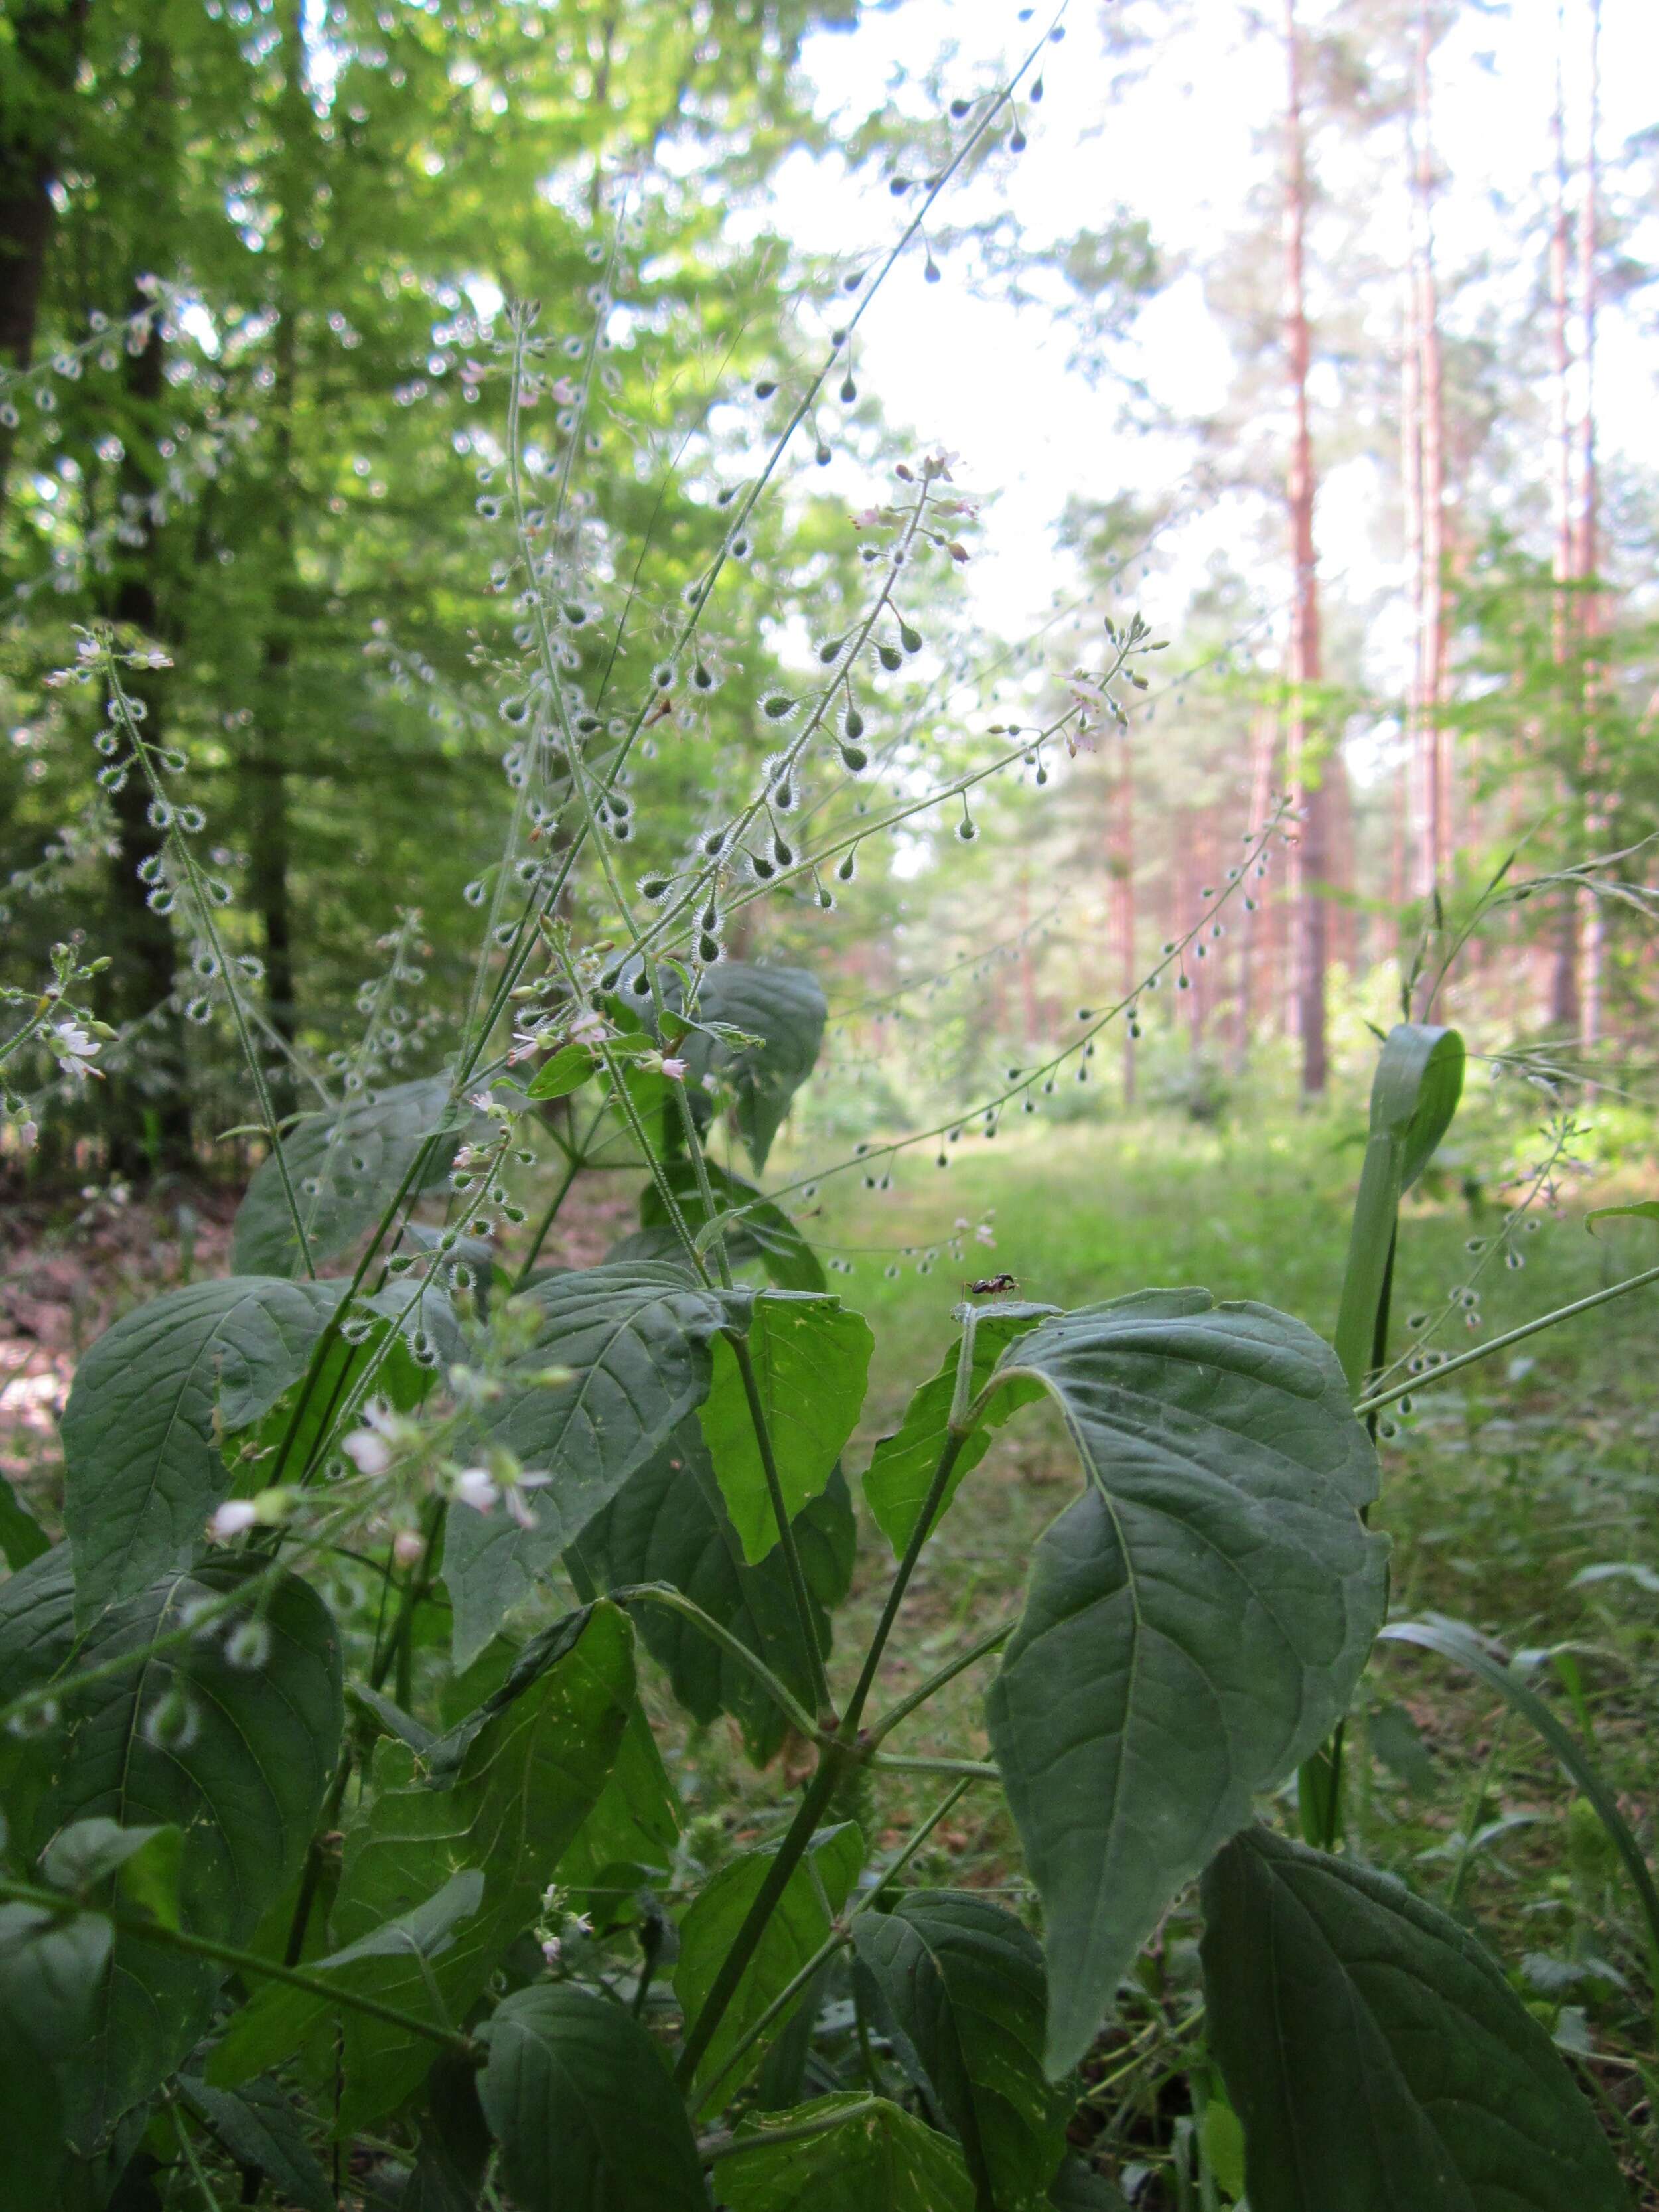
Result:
{"points": [[756, 1226], [1377, 2056], [455, 2149], [902, 1466], [581, 2101], [877, 2159], [52, 1972], [811, 1362], [958, 1986], [668, 1524], [344, 1169], [37, 1638], [148, 1409], [637, 1341], [238, 1756], [784, 1008], [628, 1841], [1195, 1622], [816, 1891], [520, 1785]]}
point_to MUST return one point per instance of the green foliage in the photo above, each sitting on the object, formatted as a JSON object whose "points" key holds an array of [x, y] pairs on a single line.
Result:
{"points": [[1331, 1991], [958, 1984], [1214, 1568], [782, 1011], [867, 2156], [811, 1360]]}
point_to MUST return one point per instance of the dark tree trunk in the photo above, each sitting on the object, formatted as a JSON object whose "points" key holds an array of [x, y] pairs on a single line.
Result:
{"points": [[46, 37]]}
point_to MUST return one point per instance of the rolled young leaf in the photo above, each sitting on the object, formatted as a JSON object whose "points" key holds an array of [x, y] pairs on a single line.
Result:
{"points": [[637, 1338], [957, 1985], [581, 2101], [1378, 2058], [811, 1361], [1194, 1622]]}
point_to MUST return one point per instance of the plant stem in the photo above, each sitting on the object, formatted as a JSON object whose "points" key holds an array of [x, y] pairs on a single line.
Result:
{"points": [[785, 1997], [955, 1438], [972, 1770], [889, 1720], [725, 2146], [665, 1595], [947, 1804], [798, 1589], [1416, 1383], [248, 1962], [191, 2159], [566, 1180]]}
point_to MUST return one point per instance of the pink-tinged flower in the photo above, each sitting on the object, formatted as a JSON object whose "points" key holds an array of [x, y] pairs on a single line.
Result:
{"points": [[514, 1495], [552, 1949], [866, 518], [674, 1070], [985, 1234], [586, 1027], [407, 1548], [233, 1519], [474, 1487], [369, 1453]]}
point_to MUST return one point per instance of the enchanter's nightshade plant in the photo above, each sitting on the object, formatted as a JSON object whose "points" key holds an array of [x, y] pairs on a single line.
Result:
{"points": [[341, 1856]]}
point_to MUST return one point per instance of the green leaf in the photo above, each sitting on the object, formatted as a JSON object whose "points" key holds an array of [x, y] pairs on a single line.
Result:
{"points": [[52, 1971], [1376, 2053], [812, 1362], [566, 1071], [147, 1412], [22, 1536], [1195, 1622], [760, 1229], [815, 1892], [1414, 1094], [1645, 1209], [784, 1009], [876, 2159], [455, 2144], [398, 1377], [668, 1524], [146, 1863], [37, 1637], [1079, 2188], [394, 1963], [239, 1757], [637, 1340], [958, 1984], [631, 1835], [902, 1466], [345, 1168], [581, 2101], [526, 1777], [260, 2128]]}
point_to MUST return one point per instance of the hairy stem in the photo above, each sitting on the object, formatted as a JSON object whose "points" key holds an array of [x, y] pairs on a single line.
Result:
{"points": [[798, 1589]]}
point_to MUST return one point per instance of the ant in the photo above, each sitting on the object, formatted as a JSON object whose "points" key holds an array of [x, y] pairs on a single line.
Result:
{"points": [[993, 1286]]}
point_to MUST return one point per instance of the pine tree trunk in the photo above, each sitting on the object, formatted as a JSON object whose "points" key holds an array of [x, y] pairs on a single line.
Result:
{"points": [[1123, 899], [1310, 775], [1434, 776], [1563, 988], [1592, 948]]}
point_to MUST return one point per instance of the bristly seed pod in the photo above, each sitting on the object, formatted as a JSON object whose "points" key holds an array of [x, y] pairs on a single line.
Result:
{"points": [[761, 866], [708, 949], [959, 108], [849, 865], [889, 657], [852, 722], [765, 388], [782, 851], [715, 844], [854, 758], [654, 889], [821, 455], [908, 638], [703, 679], [849, 391], [778, 707]]}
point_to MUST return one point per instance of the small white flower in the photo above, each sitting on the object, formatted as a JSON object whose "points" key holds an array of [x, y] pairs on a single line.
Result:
{"points": [[234, 1518], [587, 1027], [74, 1049], [985, 1234], [550, 1950], [516, 1504], [407, 1548], [674, 1070]]}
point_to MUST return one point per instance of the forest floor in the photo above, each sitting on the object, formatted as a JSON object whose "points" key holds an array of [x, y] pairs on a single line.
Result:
{"points": [[1522, 1497]]}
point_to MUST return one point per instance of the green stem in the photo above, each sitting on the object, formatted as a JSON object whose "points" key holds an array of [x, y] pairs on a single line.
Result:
{"points": [[973, 1770], [248, 1962], [191, 2159], [566, 1181], [312, 1874], [955, 1438], [798, 1589], [889, 1720], [779, 2003], [947, 1804], [1436, 1374], [665, 1595], [724, 2146]]}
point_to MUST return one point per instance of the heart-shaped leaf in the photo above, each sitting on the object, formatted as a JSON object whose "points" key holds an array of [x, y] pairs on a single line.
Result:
{"points": [[958, 1984], [1378, 2057], [1195, 1622], [636, 1342], [754, 1226], [782, 1008], [811, 1361], [581, 2099]]}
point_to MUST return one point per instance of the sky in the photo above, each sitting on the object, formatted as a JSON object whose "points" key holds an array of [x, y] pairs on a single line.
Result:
{"points": [[965, 371]]}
